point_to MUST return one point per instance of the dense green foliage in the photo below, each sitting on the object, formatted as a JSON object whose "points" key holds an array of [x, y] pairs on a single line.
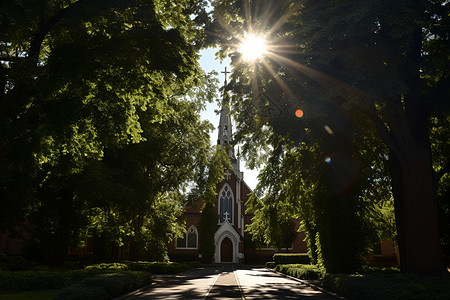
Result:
{"points": [[301, 271], [105, 286], [290, 258], [99, 116], [152, 267], [368, 94], [340, 227], [207, 227], [217, 166]]}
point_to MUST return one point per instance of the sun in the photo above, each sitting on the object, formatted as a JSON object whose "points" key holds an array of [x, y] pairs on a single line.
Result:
{"points": [[253, 47]]}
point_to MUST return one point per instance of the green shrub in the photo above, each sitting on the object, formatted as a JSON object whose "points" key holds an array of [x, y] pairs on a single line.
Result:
{"points": [[258, 258], [183, 257], [73, 265], [15, 263], [107, 267], [291, 258], [45, 278], [380, 270], [309, 272], [41, 279], [152, 267], [270, 264], [388, 286], [105, 286], [162, 267]]}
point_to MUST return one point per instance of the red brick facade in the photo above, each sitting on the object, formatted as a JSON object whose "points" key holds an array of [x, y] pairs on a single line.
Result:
{"points": [[234, 230]]}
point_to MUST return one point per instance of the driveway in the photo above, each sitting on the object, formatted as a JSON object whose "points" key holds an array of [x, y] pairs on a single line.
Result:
{"points": [[227, 282]]}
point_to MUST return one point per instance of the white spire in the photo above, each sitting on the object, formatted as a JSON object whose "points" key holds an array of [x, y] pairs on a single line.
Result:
{"points": [[225, 132], [225, 126]]}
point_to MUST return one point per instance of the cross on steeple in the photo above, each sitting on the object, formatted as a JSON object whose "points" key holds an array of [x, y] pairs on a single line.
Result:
{"points": [[225, 72]]}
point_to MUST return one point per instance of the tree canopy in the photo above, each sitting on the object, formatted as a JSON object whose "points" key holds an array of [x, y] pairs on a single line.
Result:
{"points": [[97, 126], [366, 79]]}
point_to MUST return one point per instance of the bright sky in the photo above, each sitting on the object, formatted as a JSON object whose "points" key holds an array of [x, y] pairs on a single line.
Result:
{"points": [[209, 63]]}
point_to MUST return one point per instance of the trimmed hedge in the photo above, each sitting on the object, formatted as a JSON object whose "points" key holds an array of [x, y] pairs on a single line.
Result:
{"points": [[291, 258], [388, 286], [183, 257], [257, 259], [107, 267], [105, 286], [45, 278], [41, 279], [309, 272], [163, 267], [152, 267]]}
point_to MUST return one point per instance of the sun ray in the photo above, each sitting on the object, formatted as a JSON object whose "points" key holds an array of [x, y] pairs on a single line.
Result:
{"points": [[277, 79]]}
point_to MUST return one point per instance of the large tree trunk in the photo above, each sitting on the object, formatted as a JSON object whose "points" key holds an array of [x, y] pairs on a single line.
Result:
{"points": [[56, 253], [416, 205], [416, 213], [397, 191]]}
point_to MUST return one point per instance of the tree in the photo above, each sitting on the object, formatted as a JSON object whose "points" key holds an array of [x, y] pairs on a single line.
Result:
{"points": [[217, 164], [339, 207], [91, 93], [320, 62]]}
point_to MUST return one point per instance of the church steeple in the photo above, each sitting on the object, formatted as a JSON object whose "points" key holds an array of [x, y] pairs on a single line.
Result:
{"points": [[225, 126]]}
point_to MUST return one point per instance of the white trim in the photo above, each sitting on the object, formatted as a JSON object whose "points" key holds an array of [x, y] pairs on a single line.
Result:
{"points": [[243, 224], [226, 230], [238, 196]]}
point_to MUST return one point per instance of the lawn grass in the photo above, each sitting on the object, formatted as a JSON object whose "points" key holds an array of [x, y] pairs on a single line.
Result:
{"points": [[29, 295]]}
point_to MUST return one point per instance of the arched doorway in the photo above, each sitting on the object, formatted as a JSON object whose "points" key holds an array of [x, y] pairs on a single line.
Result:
{"points": [[226, 250]]}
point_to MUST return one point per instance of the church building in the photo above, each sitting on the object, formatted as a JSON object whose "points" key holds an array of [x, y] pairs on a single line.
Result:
{"points": [[230, 239]]}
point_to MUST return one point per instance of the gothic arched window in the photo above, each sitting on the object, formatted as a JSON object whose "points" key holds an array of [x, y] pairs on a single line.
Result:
{"points": [[226, 204], [189, 240], [192, 237]]}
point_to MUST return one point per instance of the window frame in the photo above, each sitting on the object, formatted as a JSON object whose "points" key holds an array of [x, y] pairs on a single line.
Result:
{"points": [[226, 188], [192, 230]]}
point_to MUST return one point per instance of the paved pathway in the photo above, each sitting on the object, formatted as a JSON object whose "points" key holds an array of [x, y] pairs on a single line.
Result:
{"points": [[227, 282], [260, 283]]}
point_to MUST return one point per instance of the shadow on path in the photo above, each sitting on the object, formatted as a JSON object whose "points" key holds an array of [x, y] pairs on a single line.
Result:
{"points": [[223, 282]]}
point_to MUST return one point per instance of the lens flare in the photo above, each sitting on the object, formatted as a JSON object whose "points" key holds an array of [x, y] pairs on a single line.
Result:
{"points": [[329, 130], [328, 160], [299, 113], [253, 47]]}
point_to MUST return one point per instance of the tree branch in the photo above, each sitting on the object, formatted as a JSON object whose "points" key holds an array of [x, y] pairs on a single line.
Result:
{"points": [[45, 27]]}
